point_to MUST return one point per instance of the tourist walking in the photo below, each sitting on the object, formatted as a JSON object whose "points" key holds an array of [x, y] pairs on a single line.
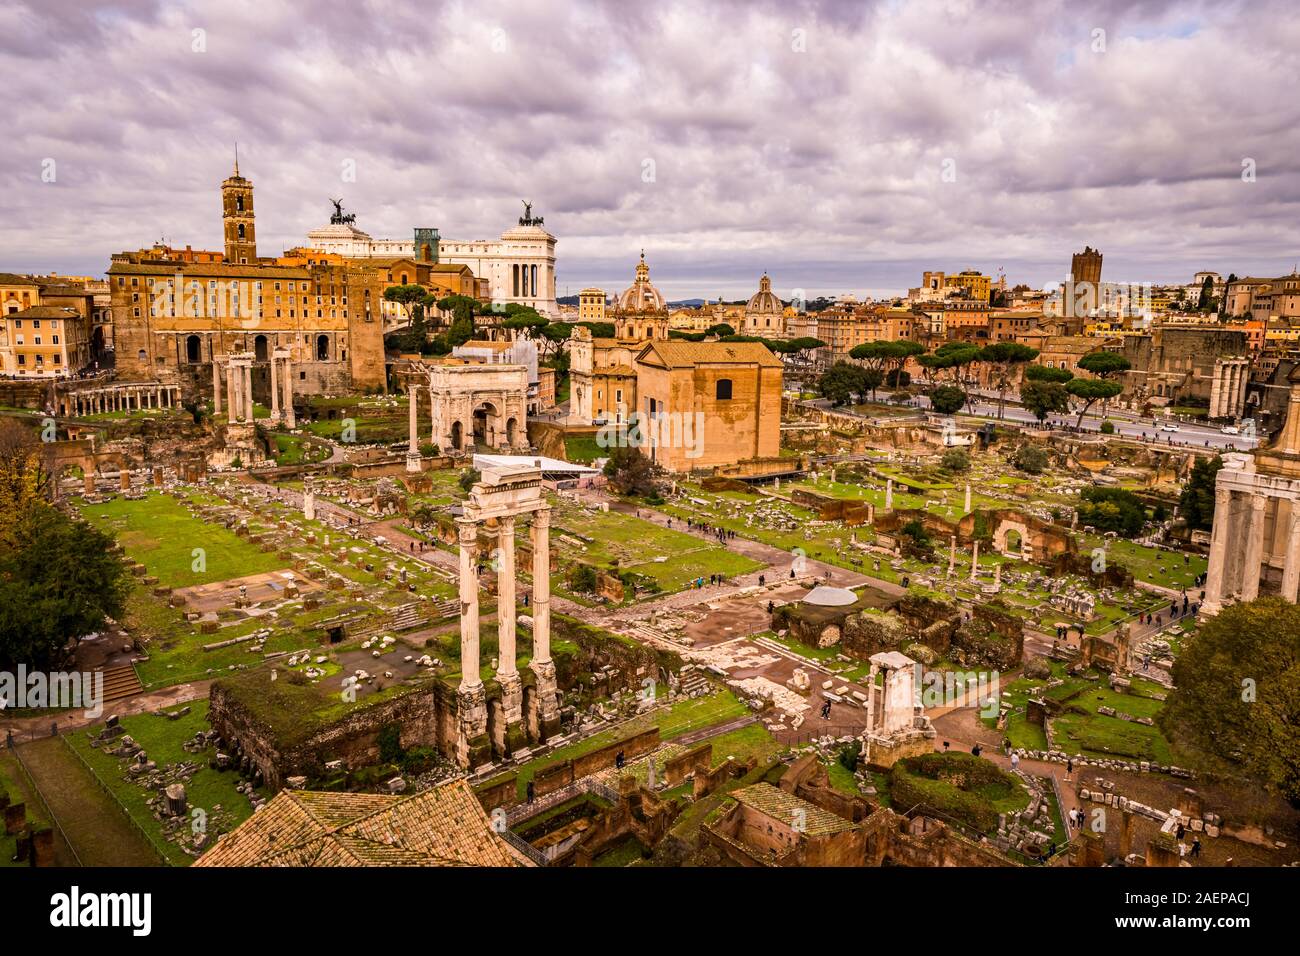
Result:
{"points": [[1015, 760], [1069, 768]]}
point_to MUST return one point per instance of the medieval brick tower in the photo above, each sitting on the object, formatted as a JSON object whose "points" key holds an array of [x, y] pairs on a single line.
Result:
{"points": [[237, 219]]}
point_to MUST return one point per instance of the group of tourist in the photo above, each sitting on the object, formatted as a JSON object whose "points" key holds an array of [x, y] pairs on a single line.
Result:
{"points": [[722, 534]]}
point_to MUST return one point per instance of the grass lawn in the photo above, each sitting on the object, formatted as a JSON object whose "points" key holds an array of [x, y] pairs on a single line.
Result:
{"points": [[14, 784], [671, 558], [1169, 569], [295, 450], [752, 740], [93, 820], [1083, 729], [583, 449], [162, 738], [162, 535]]}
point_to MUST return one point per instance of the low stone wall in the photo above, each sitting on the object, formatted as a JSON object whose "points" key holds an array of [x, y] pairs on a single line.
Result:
{"points": [[695, 760], [560, 775]]}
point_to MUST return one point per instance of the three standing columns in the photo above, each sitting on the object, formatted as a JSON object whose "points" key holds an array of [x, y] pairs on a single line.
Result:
{"points": [[472, 703]]}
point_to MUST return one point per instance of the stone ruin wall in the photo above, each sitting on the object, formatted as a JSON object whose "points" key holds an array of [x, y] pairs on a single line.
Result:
{"points": [[425, 719]]}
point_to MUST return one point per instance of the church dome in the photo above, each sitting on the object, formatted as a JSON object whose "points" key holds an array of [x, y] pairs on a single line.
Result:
{"points": [[641, 296], [764, 301]]}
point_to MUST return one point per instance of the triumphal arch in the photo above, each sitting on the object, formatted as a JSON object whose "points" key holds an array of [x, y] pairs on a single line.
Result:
{"points": [[516, 708], [478, 404]]}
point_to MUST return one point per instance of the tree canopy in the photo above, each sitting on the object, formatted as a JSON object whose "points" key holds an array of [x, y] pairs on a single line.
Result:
{"points": [[1196, 504], [947, 399], [1237, 693]]}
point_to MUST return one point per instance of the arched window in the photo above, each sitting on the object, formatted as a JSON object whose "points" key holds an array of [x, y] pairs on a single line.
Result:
{"points": [[322, 348], [239, 204], [192, 349], [241, 230], [724, 389]]}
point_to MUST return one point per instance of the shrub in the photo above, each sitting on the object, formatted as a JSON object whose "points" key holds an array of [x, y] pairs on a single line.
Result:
{"points": [[1038, 668], [1030, 459], [582, 578], [390, 743], [955, 459], [1107, 427], [956, 785]]}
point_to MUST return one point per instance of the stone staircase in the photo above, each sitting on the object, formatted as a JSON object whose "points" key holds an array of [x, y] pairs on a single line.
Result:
{"points": [[449, 608], [121, 681], [695, 684], [407, 618]]}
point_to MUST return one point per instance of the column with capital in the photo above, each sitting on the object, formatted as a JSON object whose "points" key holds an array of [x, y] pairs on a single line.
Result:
{"points": [[1291, 567], [247, 368], [1254, 548], [1219, 535], [286, 377], [413, 437], [275, 389], [232, 396], [472, 746], [507, 668], [548, 693], [469, 651]]}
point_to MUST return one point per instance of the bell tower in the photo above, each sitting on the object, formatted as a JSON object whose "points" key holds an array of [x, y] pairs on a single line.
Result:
{"points": [[237, 218]]}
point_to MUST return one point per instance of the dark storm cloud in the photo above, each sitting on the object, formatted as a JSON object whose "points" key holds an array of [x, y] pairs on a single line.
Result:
{"points": [[808, 139]]}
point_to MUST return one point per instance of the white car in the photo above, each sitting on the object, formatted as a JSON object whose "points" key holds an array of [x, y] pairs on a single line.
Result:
{"points": [[1169, 428], [1230, 430]]}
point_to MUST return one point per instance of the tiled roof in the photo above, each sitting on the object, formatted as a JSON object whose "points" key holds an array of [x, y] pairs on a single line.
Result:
{"points": [[678, 354], [45, 312], [443, 826], [10, 278], [778, 804]]}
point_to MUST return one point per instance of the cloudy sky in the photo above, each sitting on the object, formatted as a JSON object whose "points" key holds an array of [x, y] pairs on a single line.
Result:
{"points": [[842, 147]]}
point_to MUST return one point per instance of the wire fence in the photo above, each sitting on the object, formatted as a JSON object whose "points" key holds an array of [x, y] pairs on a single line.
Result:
{"points": [[31, 781], [99, 781]]}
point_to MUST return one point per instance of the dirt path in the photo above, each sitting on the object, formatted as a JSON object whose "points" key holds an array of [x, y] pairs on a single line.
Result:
{"points": [[94, 822]]}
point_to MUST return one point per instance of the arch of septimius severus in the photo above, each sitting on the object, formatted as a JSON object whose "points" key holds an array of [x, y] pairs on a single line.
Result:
{"points": [[463, 395], [527, 707], [1255, 543]]}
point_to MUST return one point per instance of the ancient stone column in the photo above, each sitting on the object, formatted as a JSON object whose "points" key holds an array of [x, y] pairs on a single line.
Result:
{"points": [[952, 554], [1219, 534], [872, 698], [286, 375], [512, 694], [246, 367], [974, 560], [967, 509], [469, 657], [1254, 548], [232, 396], [275, 390], [413, 440], [541, 606], [889, 494], [506, 597], [1291, 567]]}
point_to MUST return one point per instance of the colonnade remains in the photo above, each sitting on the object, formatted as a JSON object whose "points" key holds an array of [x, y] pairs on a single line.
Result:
{"points": [[122, 398], [503, 495], [239, 387]]}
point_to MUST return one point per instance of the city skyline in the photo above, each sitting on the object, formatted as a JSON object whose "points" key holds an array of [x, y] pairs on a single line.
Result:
{"points": [[840, 148]]}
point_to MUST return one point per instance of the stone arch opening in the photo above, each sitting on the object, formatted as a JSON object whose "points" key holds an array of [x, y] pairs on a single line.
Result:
{"points": [[261, 349], [193, 349], [457, 436], [486, 423], [1012, 542], [512, 429], [322, 348]]}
